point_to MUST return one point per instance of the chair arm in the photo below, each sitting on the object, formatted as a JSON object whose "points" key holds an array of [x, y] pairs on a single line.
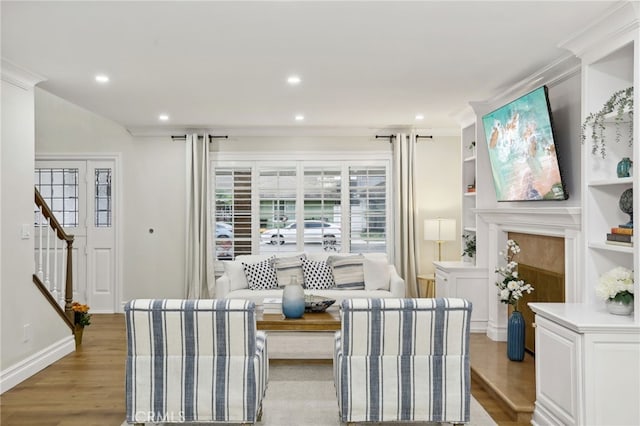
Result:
{"points": [[397, 286]]}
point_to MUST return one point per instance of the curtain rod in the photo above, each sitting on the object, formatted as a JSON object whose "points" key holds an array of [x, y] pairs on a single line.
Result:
{"points": [[390, 137], [184, 137]]}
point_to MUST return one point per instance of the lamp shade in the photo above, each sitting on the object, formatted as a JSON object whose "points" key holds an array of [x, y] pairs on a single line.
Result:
{"points": [[440, 229]]}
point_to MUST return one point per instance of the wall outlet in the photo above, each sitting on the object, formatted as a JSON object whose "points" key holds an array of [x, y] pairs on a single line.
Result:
{"points": [[26, 333]]}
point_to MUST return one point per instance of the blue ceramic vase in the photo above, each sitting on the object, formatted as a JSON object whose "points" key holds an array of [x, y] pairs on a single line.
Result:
{"points": [[293, 300], [624, 167], [515, 336]]}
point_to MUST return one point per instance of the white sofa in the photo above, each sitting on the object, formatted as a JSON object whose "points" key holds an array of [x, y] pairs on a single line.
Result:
{"points": [[381, 279]]}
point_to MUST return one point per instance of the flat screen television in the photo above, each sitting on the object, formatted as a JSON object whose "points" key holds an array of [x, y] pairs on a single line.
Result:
{"points": [[522, 150]]}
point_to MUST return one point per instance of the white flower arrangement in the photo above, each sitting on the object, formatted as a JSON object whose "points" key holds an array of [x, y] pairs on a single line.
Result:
{"points": [[511, 287], [616, 285]]}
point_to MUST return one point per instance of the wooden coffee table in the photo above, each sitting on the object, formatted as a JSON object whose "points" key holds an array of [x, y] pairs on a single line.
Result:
{"points": [[311, 321]]}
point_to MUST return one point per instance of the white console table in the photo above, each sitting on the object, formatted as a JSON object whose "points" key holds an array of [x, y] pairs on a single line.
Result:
{"points": [[587, 366], [466, 281]]}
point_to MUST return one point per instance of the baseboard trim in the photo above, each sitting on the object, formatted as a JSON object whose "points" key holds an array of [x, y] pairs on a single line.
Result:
{"points": [[26, 368], [497, 334]]}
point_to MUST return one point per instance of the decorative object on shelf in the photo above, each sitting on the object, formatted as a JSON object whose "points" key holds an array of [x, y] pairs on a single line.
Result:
{"points": [[293, 300], [620, 103], [81, 319], [314, 303], [440, 230], [472, 146], [616, 288], [626, 205], [510, 289], [624, 167], [469, 252]]}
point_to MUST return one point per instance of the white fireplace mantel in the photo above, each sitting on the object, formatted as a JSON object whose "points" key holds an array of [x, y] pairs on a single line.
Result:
{"points": [[542, 220]]}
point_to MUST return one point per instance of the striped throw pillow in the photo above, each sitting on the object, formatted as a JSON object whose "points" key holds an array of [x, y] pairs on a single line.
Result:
{"points": [[348, 272], [288, 268]]}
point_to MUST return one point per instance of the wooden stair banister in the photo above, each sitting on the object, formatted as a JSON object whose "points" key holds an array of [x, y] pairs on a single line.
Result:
{"points": [[68, 239]]}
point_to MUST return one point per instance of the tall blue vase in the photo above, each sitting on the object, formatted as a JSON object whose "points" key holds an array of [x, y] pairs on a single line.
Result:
{"points": [[515, 336]]}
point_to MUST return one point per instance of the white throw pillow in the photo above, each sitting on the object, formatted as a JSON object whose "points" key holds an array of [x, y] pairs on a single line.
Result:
{"points": [[376, 273], [235, 272]]}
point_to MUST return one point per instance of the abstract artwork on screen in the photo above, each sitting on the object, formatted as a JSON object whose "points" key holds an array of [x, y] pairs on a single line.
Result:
{"points": [[522, 150]]}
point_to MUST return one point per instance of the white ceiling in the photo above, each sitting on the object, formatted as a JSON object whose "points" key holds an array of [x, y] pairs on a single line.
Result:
{"points": [[212, 64]]}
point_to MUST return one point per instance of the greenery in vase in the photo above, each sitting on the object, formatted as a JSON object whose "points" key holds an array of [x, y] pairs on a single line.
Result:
{"points": [[620, 102], [616, 285], [469, 245], [511, 287]]}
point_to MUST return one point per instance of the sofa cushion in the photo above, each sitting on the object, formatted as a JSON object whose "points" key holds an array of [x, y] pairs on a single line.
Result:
{"points": [[376, 271], [317, 274], [261, 275], [348, 272], [287, 268]]}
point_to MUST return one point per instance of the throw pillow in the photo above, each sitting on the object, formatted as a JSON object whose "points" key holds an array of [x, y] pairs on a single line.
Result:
{"points": [[288, 268], [261, 275], [317, 274], [348, 272], [376, 273]]}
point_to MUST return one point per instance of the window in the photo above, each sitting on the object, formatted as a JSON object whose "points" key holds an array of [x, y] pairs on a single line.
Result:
{"points": [[103, 198], [296, 206], [232, 211], [59, 189], [367, 202]]}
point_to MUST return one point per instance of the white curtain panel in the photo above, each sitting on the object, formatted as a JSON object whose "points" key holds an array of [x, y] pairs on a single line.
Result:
{"points": [[199, 261], [404, 169]]}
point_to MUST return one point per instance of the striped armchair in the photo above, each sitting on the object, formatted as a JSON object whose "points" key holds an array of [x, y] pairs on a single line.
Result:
{"points": [[403, 360], [194, 361]]}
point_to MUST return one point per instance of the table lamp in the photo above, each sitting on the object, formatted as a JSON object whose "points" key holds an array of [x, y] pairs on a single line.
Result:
{"points": [[440, 230]]}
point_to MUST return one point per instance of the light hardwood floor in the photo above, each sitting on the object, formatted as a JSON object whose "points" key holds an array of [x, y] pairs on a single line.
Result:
{"points": [[87, 387]]}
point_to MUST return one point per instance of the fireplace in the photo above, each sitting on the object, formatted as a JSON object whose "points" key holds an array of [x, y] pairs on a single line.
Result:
{"points": [[549, 238]]}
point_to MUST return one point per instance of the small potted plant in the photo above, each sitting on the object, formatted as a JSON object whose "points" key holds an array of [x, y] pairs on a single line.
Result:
{"points": [[81, 319], [615, 287], [619, 104], [469, 252]]}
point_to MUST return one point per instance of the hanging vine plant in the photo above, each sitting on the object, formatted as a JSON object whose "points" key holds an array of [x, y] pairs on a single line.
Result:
{"points": [[619, 104]]}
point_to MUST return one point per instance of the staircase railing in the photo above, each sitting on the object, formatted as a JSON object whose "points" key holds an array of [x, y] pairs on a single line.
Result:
{"points": [[54, 260]]}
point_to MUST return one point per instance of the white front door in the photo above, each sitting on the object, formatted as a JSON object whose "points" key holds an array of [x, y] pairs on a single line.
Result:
{"points": [[85, 206]]}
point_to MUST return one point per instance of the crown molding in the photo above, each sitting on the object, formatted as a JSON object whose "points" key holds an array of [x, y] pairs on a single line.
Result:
{"points": [[620, 19], [20, 77]]}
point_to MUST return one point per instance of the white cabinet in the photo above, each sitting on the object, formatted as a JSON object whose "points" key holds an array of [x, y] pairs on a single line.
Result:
{"points": [[587, 366], [464, 280]]}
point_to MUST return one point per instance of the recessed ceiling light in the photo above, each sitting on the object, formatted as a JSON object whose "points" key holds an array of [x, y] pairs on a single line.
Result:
{"points": [[101, 78], [299, 117], [163, 117], [419, 117], [293, 80]]}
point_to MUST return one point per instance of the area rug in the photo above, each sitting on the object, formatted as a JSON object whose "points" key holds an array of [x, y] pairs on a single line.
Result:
{"points": [[303, 395]]}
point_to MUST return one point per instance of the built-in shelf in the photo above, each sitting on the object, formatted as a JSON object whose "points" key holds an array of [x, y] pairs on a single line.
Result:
{"points": [[610, 247], [469, 229], [611, 182], [472, 158], [469, 194], [612, 117]]}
